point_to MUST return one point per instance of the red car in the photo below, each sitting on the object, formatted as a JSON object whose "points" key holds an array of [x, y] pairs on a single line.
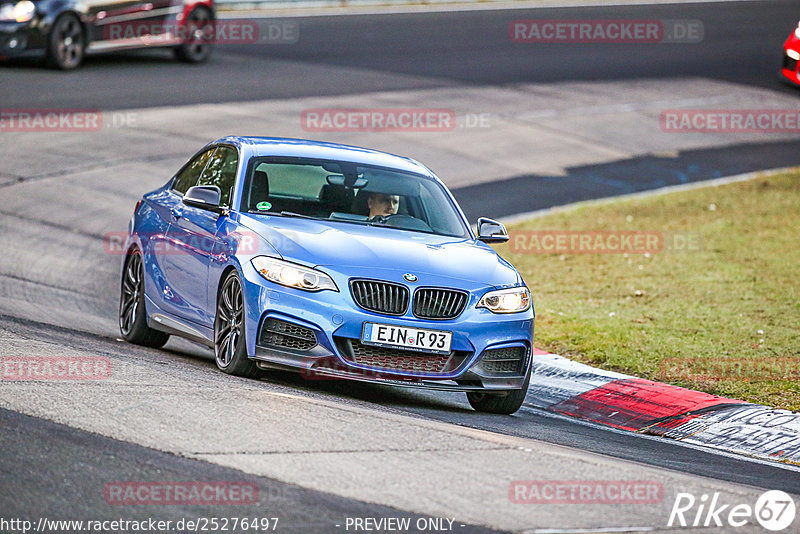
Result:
{"points": [[791, 56], [63, 32]]}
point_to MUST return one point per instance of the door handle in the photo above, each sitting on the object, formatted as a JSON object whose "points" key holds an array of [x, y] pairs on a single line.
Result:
{"points": [[176, 214]]}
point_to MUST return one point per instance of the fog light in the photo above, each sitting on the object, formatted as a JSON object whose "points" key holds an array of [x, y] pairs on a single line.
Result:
{"points": [[17, 43]]}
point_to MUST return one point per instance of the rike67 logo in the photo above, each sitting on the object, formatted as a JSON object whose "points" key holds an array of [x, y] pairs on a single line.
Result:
{"points": [[774, 510]]}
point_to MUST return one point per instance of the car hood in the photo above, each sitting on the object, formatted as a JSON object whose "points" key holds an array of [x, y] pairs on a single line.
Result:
{"points": [[355, 249]]}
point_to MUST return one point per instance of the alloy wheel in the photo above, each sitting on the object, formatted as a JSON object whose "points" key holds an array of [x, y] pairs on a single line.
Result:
{"points": [[228, 325], [131, 291], [68, 40], [196, 46]]}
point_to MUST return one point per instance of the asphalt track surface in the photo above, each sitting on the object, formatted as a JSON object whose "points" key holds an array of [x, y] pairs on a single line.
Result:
{"points": [[351, 55], [362, 53], [345, 55], [74, 460]]}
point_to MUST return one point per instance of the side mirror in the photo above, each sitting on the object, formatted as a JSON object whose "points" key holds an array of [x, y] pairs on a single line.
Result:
{"points": [[206, 197], [490, 231]]}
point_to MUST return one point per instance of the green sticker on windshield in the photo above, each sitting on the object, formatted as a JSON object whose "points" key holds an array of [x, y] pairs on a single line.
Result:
{"points": [[263, 206]]}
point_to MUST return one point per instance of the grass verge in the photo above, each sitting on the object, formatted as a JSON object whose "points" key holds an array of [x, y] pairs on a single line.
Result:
{"points": [[713, 306]]}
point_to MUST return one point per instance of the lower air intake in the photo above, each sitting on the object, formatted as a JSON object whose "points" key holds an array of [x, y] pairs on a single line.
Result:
{"points": [[405, 361], [504, 361], [277, 333]]}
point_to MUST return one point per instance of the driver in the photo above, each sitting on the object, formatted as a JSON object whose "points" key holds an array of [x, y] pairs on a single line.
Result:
{"points": [[383, 205]]}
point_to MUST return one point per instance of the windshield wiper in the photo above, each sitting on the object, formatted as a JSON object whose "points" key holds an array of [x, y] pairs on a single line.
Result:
{"points": [[283, 214]]}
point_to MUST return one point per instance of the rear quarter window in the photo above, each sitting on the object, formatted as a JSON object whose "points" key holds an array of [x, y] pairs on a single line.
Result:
{"points": [[189, 175], [303, 181]]}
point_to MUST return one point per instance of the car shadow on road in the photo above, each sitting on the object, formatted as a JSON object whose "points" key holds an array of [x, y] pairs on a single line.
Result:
{"points": [[385, 395], [130, 58]]}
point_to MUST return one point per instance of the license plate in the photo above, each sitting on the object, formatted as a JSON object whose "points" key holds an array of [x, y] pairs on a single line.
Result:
{"points": [[401, 337]]}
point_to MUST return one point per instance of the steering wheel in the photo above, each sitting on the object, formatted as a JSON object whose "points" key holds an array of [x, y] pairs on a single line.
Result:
{"points": [[401, 220]]}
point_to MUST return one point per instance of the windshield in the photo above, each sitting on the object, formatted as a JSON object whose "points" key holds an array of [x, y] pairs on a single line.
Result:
{"points": [[350, 193]]}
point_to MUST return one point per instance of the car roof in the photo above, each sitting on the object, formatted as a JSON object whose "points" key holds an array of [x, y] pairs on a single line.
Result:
{"points": [[304, 148]]}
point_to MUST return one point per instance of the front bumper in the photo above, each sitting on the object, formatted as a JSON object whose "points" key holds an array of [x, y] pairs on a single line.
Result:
{"points": [[322, 372], [22, 39], [325, 323]]}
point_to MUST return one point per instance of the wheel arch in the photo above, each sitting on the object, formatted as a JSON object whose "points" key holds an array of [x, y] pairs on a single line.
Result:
{"points": [[191, 5], [132, 243], [128, 253], [52, 16], [252, 311], [224, 276], [135, 246]]}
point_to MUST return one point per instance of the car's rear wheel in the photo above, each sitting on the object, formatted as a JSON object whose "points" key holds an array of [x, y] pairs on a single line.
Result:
{"points": [[196, 47], [66, 43], [230, 346], [502, 403], [132, 314]]}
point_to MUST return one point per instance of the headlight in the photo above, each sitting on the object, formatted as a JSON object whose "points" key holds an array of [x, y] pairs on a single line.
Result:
{"points": [[516, 299], [797, 31], [20, 12], [292, 275]]}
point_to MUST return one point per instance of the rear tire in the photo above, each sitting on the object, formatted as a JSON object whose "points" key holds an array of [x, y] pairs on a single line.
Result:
{"points": [[66, 43], [501, 403], [230, 343], [196, 48], [132, 312]]}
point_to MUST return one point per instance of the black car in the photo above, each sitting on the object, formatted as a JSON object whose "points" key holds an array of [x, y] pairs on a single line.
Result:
{"points": [[63, 31]]}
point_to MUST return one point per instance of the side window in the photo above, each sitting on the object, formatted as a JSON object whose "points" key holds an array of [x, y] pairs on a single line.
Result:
{"points": [[221, 171], [189, 175]]}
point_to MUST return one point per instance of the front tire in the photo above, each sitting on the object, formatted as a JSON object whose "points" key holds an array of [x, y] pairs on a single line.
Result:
{"points": [[66, 44], [196, 48], [500, 403], [230, 343], [132, 313]]}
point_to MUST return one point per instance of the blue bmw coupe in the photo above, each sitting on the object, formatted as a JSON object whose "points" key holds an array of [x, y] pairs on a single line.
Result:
{"points": [[331, 260]]}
